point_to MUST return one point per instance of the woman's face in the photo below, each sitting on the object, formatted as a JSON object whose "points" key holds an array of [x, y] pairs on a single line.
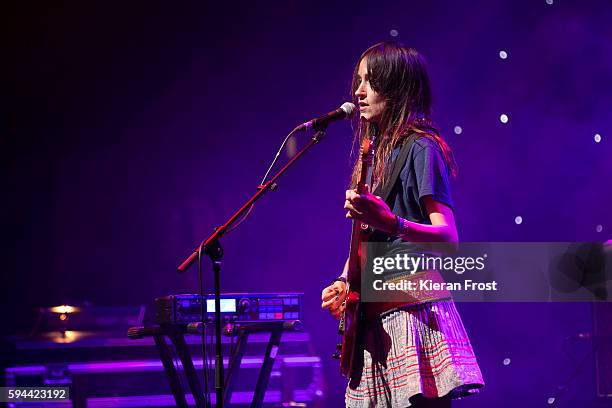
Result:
{"points": [[371, 103]]}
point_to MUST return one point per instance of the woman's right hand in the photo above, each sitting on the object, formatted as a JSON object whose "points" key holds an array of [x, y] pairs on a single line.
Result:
{"points": [[333, 298]]}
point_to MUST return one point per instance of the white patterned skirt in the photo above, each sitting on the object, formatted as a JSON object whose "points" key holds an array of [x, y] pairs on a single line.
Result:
{"points": [[421, 349]]}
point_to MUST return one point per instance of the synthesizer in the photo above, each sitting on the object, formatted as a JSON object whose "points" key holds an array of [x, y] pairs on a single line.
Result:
{"points": [[235, 307]]}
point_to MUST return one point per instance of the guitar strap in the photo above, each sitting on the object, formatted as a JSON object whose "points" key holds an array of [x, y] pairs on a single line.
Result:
{"points": [[398, 163]]}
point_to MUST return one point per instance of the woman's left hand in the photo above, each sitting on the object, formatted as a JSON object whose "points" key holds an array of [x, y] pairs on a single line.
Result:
{"points": [[370, 209]]}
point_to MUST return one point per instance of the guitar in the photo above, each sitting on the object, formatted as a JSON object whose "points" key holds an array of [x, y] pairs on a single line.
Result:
{"points": [[349, 322]]}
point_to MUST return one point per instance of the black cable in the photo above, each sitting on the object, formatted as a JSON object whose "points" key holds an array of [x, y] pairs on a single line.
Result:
{"points": [[211, 352], [280, 149], [231, 334], [263, 180], [203, 322], [206, 362]]}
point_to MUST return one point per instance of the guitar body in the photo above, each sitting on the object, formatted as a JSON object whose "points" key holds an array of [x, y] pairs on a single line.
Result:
{"points": [[349, 323]]}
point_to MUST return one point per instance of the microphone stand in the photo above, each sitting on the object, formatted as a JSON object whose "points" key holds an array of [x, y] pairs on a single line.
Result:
{"points": [[211, 246]]}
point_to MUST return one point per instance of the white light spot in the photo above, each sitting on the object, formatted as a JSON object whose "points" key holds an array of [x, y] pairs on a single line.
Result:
{"points": [[458, 129], [506, 361], [393, 33], [319, 393], [518, 220], [503, 54], [551, 400], [597, 138], [549, 2], [599, 228], [503, 118]]}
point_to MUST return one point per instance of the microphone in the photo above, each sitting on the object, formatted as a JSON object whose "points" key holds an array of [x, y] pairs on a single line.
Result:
{"points": [[320, 123]]}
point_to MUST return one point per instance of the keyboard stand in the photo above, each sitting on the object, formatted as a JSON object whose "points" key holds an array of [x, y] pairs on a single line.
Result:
{"points": [[176, 335]]}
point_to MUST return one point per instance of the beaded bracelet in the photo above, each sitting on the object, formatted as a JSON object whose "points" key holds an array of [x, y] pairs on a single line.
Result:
{"points": [[401, 227]]}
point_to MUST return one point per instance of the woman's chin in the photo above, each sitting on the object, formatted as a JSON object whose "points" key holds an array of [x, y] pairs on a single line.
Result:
{"points": [[365, 117], [368, 118]]}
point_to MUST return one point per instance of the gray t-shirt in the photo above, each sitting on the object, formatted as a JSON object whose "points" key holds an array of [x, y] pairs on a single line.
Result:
{"points": [[424, 173]]}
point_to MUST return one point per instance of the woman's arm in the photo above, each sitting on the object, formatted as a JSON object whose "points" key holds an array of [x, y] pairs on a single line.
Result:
{"points": [[372, 210], [345, 270], [442, 228]]}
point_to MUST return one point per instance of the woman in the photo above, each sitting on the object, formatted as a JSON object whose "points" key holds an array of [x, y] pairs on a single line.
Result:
{"points": [[417, 354]]}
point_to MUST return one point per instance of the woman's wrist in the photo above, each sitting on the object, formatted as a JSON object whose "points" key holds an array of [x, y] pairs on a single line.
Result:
{"points": [[390, 223], [401, 227]]}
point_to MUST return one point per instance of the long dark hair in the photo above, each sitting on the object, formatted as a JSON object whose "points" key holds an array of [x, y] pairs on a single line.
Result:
{"points": [[399, 74]]}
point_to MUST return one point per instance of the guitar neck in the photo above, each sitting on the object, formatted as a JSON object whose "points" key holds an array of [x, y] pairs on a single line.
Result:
{"points": [[357, 232]]}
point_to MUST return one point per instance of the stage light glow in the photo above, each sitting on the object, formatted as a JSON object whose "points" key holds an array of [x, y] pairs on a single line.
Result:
{"points": [[393, 33], [503, 118], [64, 309], [599, 228], [549, 2], [67, 336], [518, 220], [506, 361], [551, 400], [458, 129], [597, 138], [503, 54]]}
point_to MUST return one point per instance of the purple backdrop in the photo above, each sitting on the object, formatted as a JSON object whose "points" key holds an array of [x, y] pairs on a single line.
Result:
{"points": [[134, 129]]}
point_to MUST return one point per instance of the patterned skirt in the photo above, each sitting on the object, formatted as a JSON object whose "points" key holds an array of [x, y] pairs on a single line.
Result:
{"points": [[421, 349]]}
